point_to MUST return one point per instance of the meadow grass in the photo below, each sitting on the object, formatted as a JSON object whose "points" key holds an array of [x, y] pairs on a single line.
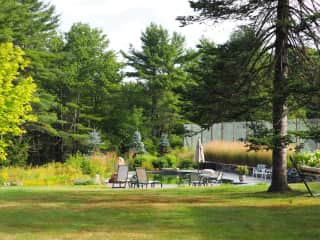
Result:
{"points": [[224, 212]]}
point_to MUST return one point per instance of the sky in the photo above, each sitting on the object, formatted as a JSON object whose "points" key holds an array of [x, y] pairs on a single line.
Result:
{"points": [[124, 20]]}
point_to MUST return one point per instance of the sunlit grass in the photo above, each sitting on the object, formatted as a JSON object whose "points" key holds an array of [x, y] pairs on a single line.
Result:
{"points": [[224, 212]]}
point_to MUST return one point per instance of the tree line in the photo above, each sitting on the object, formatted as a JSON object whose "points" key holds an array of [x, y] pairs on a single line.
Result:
{"points": [[57, 88]]}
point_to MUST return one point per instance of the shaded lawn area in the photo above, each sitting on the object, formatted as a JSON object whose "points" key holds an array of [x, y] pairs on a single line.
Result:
{"points": [[224, 212]]}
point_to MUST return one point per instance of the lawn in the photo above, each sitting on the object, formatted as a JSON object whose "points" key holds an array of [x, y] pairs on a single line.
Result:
{"points": [[224, 212]]}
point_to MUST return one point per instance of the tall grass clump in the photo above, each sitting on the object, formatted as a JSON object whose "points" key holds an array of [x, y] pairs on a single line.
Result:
{"points": [[77, 167], [46, 175], [236, 153], [97, 163]]}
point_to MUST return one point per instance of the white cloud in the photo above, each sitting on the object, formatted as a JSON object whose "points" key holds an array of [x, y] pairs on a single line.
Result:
{"points": [[123, 20]]}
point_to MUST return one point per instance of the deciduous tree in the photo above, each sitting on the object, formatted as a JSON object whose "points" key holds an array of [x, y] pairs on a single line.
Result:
{"points": [[16, 94]]}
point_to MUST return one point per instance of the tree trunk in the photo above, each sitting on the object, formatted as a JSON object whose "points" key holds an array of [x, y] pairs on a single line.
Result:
{"points": [[222, 132], [154, 117], [280, 93]]}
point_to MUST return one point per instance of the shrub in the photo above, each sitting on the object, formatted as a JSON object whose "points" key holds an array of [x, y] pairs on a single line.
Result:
{"points": [[181, 158], [78, 161], [176, 141], [184, 158], [84, 182], [166, 161], [3, 177], [151, 162], [150, 146], [147, 165], [171, 160], [242, 170], [186, 164], [143, 160], [309, 159], [103, 164], [159, 163]]}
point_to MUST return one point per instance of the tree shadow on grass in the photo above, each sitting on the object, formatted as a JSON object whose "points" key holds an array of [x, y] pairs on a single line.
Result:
{"points": [[257, 222], [181, 222], [176, 214]]}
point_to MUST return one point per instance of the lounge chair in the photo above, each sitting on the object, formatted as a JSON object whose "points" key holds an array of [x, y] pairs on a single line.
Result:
{"points": [[122, 177], [215, 178], [195, 179], [260, 171], [142, 178]]}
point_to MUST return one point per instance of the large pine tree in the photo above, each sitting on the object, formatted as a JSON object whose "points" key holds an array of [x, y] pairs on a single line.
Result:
{"points": [[280, 26], [158, 66]]}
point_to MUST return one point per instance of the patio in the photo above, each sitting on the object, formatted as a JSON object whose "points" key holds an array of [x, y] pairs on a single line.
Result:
{"points": [[227, 177]]}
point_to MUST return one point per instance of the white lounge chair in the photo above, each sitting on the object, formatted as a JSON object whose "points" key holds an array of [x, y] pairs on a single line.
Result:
{"points": [[260, 171]]}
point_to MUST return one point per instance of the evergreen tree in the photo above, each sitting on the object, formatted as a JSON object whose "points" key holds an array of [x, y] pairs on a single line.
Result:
{"points": [[208, 100], [28, 23], [159, 68], [94, 140], [89, 78], [279, 25], [137, 144]]}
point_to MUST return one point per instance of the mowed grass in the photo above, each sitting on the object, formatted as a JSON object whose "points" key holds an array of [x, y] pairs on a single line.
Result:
{"points": [[224, 212]]}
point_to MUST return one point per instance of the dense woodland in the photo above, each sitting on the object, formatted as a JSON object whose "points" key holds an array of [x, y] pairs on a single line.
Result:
{"points": [[60, 90]]}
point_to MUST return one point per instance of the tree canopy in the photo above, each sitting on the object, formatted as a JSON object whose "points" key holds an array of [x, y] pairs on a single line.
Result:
{"points": [[90, 98], [159, 68]]}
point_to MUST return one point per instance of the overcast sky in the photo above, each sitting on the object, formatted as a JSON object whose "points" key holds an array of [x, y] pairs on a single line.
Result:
{"points": [[124, 20]]}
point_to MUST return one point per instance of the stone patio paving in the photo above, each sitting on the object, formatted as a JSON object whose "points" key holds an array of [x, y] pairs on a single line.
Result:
{"points": [[227, 176]]}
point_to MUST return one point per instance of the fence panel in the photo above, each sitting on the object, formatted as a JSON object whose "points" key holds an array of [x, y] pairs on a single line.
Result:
{"points": [[238, 131]]}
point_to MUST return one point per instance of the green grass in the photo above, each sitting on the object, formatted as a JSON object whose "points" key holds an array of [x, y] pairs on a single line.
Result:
{"points": [[224, 212]]}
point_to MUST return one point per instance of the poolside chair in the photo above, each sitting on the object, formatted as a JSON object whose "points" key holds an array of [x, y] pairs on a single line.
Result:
{"points": [[142, 178], [215, 178], [211, 176], [195, 179], [121, 178], [260, 171]]}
